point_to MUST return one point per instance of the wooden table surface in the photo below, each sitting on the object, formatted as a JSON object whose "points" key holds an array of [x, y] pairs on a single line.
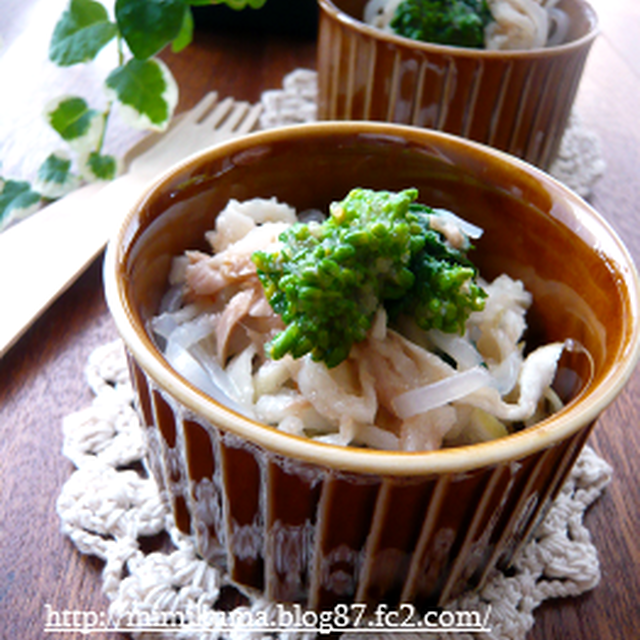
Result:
{"points": [[41, 378]]}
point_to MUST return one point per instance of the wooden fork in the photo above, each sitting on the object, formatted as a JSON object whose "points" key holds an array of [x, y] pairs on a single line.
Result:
{"points": [[43, 255]]}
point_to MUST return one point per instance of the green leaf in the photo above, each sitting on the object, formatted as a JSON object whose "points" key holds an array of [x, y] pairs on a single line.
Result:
{"points": [[146, 91], [184, 38], [98, 167], [82, 31], [17, 201], [70, 117], [56, 168], [55, 178], [148, 26], [240, 4]]}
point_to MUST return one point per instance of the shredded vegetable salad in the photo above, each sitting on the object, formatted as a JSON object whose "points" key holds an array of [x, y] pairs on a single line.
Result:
{"points": [[488, 24], [400, 383]]}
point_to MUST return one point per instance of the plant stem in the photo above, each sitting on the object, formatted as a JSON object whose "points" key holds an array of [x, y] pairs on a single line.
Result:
{"points": [[107, 112]]}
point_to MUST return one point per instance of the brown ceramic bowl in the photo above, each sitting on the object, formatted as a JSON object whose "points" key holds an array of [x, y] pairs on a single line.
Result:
{"points": [[313, 523], [515, 101]]}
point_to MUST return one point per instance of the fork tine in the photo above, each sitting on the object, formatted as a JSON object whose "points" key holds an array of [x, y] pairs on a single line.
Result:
{"points": [[218, 115], [250, 120], [187, 120], [235, 116], [209, 120], [202, 108]]}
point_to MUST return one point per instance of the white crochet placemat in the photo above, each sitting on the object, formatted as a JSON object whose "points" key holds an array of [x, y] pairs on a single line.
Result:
{"points": [[579, 163], [107, 508]]}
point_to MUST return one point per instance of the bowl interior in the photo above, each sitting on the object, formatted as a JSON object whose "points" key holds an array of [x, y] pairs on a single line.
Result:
{"points": [[581, 16], [583, 283]]}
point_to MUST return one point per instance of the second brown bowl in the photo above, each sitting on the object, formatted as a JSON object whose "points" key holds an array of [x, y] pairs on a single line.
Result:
{"points": [[515, 101]]}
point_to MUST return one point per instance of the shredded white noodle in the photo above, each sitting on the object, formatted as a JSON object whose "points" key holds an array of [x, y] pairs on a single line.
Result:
{"points": [[516, 24], [400, 389]]}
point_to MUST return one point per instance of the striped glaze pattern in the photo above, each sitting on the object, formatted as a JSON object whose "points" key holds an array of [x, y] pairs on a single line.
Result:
{"points": [[516, 102], [279, 526]]}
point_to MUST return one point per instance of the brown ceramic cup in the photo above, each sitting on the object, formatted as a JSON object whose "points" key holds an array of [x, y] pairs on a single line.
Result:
{"points": [[515, 101], [301, 521]]}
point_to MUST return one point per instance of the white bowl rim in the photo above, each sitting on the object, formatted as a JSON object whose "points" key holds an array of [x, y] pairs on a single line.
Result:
{"points": [[514, 447], [461, 52]]}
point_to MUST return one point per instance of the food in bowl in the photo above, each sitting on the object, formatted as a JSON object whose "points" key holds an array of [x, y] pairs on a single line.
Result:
{"points": [[366, 327], [488, 24], [297, 520]]}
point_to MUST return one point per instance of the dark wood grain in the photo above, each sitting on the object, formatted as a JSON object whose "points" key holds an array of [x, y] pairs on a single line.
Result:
{"points": [[41, 378]]}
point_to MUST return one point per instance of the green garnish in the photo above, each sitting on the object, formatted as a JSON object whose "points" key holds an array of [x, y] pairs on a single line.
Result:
{"points": [[327, 280], [450, 22]]}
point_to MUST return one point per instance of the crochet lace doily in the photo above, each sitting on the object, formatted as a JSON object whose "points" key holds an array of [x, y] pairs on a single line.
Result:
{"points": [[110, 505]]}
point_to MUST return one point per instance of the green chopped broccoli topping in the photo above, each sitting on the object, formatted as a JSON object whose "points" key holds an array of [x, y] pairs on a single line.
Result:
{"points": [[450, 22], [445, 290], [327, 280]]}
